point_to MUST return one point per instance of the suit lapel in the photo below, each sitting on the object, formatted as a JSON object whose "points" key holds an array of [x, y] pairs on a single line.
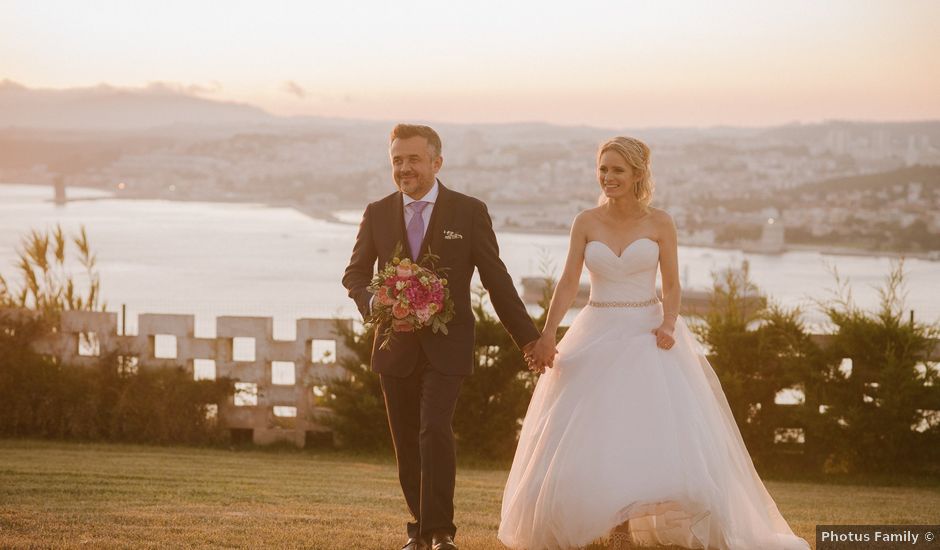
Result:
{"points": [[442, 212], [399, 214]]}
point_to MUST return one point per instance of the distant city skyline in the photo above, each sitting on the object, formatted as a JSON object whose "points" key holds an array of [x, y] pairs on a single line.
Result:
{"points": [[609, 64]]}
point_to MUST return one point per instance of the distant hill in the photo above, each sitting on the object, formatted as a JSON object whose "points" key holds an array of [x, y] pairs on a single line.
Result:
{"points": [[111, 108], [929, 176], [805, 133]]}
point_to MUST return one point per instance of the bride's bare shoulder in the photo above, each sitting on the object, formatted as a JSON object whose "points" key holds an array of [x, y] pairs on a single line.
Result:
{"points": [[588, 214], [585, 218], [660, 216], [663, 223]]}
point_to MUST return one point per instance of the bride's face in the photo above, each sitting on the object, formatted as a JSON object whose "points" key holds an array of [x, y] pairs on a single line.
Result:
{"points": [[615, 176]]}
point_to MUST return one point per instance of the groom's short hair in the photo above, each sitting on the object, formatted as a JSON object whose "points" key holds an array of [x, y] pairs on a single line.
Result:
{"points": [[405, 131]]}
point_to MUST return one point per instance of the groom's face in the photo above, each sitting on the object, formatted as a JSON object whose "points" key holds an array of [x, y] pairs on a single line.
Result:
{"points": [[413, 167]]}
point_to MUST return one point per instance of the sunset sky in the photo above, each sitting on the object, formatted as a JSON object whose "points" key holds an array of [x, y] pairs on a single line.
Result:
{"points": [[618, 63]]}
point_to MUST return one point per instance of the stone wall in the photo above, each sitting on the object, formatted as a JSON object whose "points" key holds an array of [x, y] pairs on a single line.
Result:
{"points": [[277, 380]]}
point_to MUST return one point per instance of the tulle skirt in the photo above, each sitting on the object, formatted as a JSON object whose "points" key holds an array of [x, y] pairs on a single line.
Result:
{"points": [[623, 431]]}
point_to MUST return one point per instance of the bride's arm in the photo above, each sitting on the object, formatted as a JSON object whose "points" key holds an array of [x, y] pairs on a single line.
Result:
{"points": [[567, 288], [669, 269], [543, 353]]}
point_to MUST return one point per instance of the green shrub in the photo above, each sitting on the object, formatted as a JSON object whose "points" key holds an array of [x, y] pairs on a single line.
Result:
{"points": [[491, 405], [494, 399], [39, 397], [48, 287], [875, 411], [357, 406], [757, 349]]}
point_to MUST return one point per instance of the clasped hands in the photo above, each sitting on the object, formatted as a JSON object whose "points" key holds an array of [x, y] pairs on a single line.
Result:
{"points": [[540, 353]]}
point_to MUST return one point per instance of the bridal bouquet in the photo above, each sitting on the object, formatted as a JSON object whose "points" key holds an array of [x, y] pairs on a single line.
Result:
{"points": [[409, 297]]}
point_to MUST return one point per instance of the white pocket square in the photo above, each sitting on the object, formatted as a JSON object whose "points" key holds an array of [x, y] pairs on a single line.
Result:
{"points": [[448, 235]]}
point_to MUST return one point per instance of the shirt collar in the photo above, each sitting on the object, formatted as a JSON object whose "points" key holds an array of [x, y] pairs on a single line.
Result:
{"points": [[430, 197]]}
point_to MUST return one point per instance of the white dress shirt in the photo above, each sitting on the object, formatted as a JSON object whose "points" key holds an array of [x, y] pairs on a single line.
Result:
{"points": [[430, 196]]}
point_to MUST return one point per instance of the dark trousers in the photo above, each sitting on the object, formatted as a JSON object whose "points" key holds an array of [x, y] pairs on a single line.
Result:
{"points": [[420, 410]]}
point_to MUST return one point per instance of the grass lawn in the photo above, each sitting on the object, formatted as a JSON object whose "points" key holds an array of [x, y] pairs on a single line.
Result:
{"points": [[113, 495]]}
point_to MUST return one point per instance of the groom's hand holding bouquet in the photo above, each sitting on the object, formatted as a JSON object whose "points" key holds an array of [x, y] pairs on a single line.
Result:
{"points": [[410, 296]]}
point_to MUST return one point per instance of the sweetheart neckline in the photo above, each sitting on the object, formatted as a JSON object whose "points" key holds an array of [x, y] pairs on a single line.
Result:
{"points": [[633, 242]]}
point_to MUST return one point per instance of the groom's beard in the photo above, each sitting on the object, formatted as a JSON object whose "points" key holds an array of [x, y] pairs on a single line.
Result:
{"points": [[413, 187]]}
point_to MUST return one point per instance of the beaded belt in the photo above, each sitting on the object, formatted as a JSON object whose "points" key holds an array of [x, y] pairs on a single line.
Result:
{"points": [[651, 301]]}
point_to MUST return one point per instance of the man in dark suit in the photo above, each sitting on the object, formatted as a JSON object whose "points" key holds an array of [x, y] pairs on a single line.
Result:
{"points": [[421, 372]]}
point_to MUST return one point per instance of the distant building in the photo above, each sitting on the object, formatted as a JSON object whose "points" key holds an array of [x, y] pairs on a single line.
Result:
{"points": [[771, 241], [59, 186], [912, 154], [700, 237], [913, 191]]}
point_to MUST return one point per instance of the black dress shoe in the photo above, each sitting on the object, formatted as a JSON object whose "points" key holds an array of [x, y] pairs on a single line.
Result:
{"points": [[415, 544], [443, 541]]}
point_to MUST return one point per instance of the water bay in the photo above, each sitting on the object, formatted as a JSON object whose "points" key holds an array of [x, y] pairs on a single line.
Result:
{"points": [[211, 259]]}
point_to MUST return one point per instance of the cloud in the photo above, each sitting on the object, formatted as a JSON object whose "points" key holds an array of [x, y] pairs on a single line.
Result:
{"points": [[213, 87], [175, 88], [294, 89]]}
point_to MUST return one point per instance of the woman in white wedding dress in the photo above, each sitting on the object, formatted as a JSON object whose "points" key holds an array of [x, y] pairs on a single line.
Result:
{"points": [[628, 435]]}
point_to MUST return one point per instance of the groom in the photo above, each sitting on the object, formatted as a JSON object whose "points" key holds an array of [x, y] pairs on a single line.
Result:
{"points": [[421, 372]]}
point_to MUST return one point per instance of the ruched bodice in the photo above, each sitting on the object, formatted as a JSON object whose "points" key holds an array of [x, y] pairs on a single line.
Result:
{"points": [[628, 277]]}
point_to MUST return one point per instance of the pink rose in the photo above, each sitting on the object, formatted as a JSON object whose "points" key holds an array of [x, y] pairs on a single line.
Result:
{"points": [[384, 298], [400, 311], [418, 296]]}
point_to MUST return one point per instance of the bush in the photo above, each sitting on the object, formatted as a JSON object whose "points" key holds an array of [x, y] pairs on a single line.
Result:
{"points": [[48, 288], [357, 406], [884, 415], [494, 400], [491, 405], [757, 349], [39, 397]]}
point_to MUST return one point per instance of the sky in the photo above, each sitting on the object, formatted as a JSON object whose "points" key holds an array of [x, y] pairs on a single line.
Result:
{"points": [[601, 63]]}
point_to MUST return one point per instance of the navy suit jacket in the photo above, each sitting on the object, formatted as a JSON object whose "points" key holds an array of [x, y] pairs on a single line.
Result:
{"points": [[383, 227]]}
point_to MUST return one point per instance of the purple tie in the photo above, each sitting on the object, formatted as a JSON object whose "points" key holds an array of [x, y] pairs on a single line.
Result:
{"points": [[416, 227]]}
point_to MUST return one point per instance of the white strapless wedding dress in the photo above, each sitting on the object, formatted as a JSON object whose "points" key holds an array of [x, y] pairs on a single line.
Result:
{"points": [[621, 430]]}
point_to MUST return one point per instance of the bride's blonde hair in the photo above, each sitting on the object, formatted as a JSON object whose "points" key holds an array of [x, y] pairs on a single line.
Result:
{"points": [[637, 155]]}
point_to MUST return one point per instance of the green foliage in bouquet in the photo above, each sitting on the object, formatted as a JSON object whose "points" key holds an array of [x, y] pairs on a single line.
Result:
{"points": [[400, 309]]}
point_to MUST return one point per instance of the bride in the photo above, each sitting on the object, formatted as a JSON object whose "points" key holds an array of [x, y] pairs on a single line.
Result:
{"points": [[628, 435]]}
